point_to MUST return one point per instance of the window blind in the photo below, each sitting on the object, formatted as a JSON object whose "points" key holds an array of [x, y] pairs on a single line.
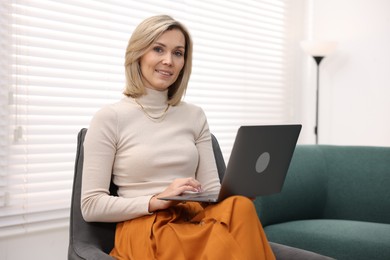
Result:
{"points": [[63, 59]]}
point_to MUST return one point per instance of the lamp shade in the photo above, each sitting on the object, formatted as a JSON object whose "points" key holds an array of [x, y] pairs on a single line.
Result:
{"points": [[318, 48]]}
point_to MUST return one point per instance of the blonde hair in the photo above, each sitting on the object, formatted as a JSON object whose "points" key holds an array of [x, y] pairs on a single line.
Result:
{"points": [[146, 33]]}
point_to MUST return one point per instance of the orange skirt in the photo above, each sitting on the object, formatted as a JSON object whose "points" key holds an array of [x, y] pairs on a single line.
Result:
{"points": [[226, 230]]}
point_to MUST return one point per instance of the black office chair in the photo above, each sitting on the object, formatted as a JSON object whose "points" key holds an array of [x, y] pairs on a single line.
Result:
{"points": [[94, 240]]}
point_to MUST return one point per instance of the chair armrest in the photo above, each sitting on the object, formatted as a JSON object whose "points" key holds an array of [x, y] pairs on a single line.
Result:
{"points": [[84, 251], [283, 252]]}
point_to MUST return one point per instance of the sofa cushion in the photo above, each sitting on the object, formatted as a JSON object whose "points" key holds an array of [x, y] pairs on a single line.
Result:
{"points": [[340, 239]]}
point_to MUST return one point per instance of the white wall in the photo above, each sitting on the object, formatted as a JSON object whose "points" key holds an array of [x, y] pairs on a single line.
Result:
{"points": [[355, 80], [355, 84], [45, 245]]}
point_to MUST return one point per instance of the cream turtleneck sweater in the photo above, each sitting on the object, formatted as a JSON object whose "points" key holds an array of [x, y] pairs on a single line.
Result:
{"points": [[142, 155]]}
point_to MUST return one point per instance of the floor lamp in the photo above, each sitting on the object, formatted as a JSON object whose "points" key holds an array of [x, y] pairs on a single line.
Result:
{"points": [[318, 50]]}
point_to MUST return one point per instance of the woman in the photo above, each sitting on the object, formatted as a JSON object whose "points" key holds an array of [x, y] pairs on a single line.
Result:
{"points": [[154, 145]]}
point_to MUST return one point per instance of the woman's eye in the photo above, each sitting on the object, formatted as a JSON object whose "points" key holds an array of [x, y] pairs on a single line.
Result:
{"points": [[158, 49], [178, 53]]}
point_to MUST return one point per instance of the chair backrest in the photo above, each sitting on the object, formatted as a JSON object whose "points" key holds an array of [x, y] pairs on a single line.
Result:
{"points": [[221, 166], [93, 240], [86, 239]]}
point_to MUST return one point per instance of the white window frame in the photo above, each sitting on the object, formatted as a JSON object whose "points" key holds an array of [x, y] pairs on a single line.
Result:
{"points": [[63, 60]]}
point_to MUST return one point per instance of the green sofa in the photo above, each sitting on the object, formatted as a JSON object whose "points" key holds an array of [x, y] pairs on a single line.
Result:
{"points": [[335, 201]]}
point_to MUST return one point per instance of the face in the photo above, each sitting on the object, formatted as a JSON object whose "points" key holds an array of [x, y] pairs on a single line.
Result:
{"points": [[163, 61]]}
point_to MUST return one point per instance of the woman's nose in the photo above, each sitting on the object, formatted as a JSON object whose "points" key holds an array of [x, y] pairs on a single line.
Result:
{"points": [[167, 59]]}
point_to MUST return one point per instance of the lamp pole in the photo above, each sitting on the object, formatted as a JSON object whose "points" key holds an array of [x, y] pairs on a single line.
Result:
{"points": [[318, 60], [318, 50]]}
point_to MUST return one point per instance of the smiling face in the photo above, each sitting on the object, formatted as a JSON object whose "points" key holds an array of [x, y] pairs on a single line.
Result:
{"points": [[163, 61]]}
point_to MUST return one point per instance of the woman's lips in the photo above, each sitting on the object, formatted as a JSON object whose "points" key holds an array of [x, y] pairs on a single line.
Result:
{"points": [[164, 72]]}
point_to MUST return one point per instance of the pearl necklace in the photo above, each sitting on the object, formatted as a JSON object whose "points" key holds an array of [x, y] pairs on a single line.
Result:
{"points": [[153, 118]]}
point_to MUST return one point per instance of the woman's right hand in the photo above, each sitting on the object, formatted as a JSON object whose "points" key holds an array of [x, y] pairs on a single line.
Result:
{"points": [[177, 187]]}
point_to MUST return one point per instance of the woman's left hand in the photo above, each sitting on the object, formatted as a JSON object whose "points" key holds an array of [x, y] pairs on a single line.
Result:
{"points": [[177, 187]]}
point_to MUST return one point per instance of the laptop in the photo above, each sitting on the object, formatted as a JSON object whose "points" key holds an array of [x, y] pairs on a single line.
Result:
{"points": [[258, 163]]}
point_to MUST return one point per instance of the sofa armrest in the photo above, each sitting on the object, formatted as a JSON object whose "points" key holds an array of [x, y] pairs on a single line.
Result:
{"points": [[358, 183]]}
